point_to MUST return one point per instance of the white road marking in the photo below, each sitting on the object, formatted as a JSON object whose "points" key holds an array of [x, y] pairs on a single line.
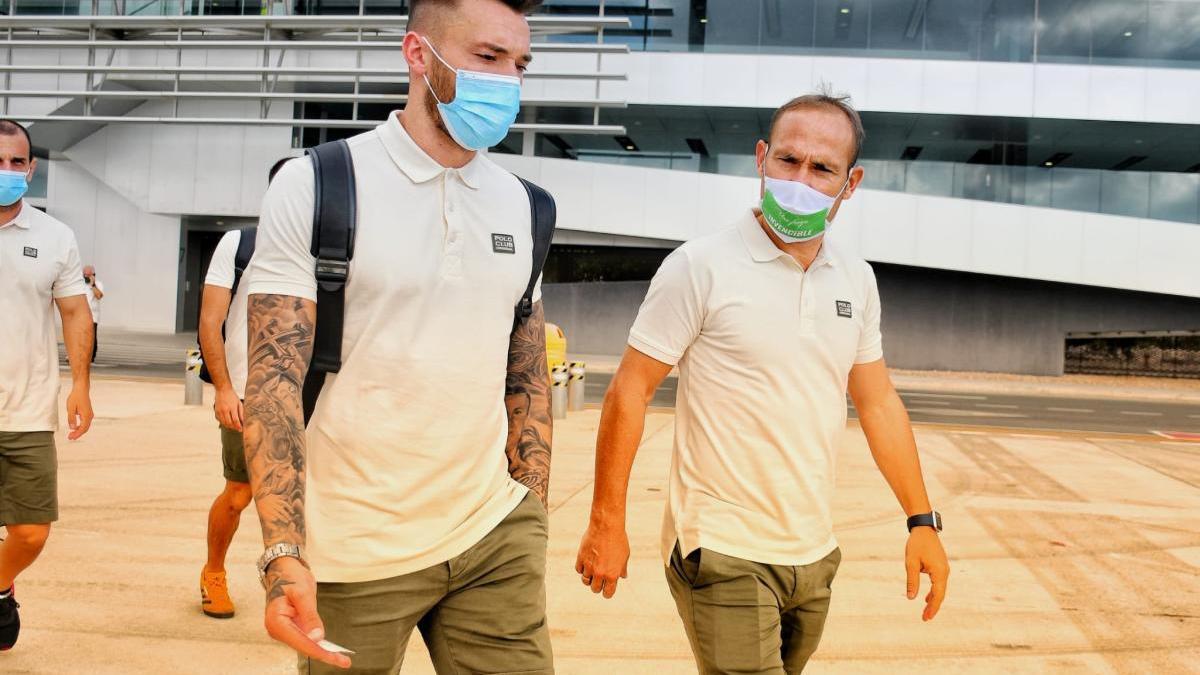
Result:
{"points": [[1003, 406], [1072, 410], [1141, 413], [1048, 438], [949, 412], [933, 403], [962, 397]]}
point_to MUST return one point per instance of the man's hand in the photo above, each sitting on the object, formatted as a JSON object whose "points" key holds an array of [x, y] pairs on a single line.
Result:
{"points": [[603, 558], [291, 613], [924, 554], [228, 409], [79, 412]]}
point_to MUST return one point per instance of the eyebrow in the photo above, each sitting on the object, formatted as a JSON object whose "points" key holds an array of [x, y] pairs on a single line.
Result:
{"points": [[525, 58]]}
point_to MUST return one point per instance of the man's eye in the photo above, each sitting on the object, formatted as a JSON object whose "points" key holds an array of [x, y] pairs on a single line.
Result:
{"points": [[486, 57]]}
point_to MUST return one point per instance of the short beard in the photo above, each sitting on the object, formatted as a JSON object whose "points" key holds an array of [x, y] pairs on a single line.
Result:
{"points": [[440, 82]]}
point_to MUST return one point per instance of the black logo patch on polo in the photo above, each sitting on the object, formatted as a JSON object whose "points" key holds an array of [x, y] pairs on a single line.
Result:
{"points": [[504, 243], [30, 252], [843, 309]]}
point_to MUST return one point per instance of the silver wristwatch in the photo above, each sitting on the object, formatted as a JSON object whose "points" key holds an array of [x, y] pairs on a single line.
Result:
{"points": [[280, 550]]}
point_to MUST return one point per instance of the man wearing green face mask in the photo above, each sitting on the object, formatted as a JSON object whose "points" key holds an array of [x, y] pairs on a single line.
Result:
{"points": [[771, 326]]}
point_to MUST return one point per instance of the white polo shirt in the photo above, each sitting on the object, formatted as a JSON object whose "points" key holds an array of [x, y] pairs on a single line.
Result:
{"points": [[406, 463], [764, 351], [221, 273], [39, 262]]}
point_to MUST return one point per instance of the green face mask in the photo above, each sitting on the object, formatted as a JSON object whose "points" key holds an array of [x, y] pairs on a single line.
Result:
{"points": [[796, 211]]}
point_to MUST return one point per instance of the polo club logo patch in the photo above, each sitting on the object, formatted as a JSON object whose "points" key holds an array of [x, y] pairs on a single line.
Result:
{"points": [[843, 309], [30, 252], [504, 243]]}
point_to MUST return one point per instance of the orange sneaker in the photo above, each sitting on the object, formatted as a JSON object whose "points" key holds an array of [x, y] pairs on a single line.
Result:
{"points": [[214, 595]]}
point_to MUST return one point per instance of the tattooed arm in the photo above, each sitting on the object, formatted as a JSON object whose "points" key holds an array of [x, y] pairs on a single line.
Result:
{"points": [[527, 397], [281, 331], [281, 334]]}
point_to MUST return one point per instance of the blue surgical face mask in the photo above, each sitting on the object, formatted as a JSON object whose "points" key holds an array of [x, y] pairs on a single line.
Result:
{"points": [[484, 106], [13, 185]]}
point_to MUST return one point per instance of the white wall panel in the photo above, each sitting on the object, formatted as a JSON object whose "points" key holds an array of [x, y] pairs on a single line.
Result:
{"points": [[905, 229], [910, 85], [1116, 93], [944, 233], [135, 253], [894, 84], [951, 86], [999, 238]]}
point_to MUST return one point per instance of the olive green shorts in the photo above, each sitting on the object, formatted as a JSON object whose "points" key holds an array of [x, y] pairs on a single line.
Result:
{"points": [[747, 617], [483, 611], [233, 456], [28, 478]]}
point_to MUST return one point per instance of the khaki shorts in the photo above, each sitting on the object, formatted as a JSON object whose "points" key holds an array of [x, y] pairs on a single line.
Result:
{"points": [[233, 456], [748, 617], [28, 478], [480, 612]]}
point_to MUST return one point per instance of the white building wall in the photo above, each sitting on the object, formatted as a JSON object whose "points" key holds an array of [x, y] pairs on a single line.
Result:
{"points": [[188, 169], [1122, 93], [136, 253], [906, 229]]}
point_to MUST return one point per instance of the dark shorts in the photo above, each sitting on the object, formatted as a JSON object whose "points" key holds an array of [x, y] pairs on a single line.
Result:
{"points": [[28, 478], [233, 456]]}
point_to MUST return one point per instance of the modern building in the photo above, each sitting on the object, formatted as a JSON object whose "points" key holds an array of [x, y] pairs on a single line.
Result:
{"points": [[1032, 193]]}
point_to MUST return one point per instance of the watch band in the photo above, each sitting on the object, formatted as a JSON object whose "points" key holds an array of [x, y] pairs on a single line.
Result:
{"points": [[932, 519], [273, 553]]}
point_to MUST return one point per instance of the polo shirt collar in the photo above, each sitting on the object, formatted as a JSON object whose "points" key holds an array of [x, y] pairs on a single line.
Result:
{"points": [[22, 220], [415, 162], [762, 249]]}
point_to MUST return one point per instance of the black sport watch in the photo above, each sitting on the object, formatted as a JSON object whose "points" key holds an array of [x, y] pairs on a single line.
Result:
{"points": [[932, 519]]}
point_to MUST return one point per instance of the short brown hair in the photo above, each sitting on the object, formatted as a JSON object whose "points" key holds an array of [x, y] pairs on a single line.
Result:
{"points": [[825, 98], [420, 9], [11, 128]]}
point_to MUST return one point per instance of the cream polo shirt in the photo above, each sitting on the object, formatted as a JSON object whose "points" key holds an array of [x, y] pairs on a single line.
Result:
{"points": [[39, 263], [764, 351], [221, 273], [406, 463]]}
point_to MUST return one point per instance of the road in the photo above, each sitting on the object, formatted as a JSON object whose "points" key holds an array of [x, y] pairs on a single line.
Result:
{"points": [[1028, 412], [1008, 411]]}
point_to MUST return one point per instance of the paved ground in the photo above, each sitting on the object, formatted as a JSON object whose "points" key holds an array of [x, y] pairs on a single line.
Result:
{"points": [[1022, 411], [1072, 553]]}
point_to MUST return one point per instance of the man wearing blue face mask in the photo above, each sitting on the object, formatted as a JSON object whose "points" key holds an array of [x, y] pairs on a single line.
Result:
{"points": [[416, 499], [39, 269], [770, 325]]}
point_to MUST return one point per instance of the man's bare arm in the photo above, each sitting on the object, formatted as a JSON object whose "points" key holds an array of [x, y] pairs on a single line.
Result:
{"points": [[281, 341], [214, 306], [78, 337], [527, 397]]}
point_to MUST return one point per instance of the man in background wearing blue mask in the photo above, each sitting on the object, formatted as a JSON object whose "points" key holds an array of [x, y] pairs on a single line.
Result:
{"points": [[39, 268], [417, 497], [770, 326]]}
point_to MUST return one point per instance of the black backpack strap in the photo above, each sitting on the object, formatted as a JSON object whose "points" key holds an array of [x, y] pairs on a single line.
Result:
{"points": [[542, 215], [334, 220], [241, 260]]}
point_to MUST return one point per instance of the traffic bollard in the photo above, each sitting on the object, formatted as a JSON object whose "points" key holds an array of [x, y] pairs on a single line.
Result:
{"points": [[193, 388], [577, 373], [558, 392]]}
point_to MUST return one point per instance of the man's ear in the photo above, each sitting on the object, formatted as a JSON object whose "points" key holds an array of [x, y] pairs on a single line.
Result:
{"points": [[414, 55], [760, 157]]}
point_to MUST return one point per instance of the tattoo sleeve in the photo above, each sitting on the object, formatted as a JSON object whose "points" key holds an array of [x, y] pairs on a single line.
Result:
{"points": [[281, 339], [527, 397]]}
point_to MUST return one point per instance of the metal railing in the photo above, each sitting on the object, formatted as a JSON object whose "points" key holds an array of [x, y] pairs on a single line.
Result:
{"points": [[116, 60]]}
